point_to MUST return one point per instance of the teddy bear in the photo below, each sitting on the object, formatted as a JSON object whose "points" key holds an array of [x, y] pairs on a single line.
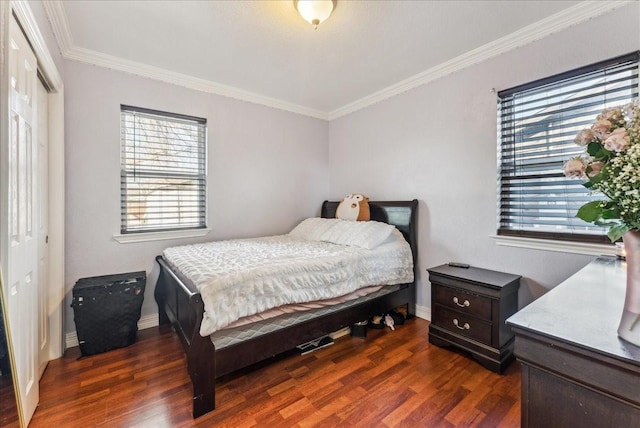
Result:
{"points": [[354, 207]]}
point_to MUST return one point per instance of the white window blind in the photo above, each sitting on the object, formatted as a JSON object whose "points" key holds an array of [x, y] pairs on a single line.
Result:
{"points": [[537, 123], [163, 171]]}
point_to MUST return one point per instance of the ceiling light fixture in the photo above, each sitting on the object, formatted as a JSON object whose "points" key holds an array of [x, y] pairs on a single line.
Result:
{"points": [[314, 11]]}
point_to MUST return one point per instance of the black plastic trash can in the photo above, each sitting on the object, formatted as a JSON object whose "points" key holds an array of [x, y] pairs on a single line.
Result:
{"points": [[106, 310]]}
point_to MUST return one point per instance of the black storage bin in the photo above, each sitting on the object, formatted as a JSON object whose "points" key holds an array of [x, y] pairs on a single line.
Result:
{"points": [[359, 329], [106, 310]]}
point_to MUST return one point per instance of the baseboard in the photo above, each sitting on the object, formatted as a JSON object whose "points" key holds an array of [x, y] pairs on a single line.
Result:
{"points": [[423, 312], [147, 321]]}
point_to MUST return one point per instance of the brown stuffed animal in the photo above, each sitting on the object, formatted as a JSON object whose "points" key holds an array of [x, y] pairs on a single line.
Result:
{"points": [[354, 207]]}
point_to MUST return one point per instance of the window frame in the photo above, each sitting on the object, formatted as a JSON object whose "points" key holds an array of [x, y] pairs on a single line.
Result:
{"points": [[503, 208], [196, 174]]}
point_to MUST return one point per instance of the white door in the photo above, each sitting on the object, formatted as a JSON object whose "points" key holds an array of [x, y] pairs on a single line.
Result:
{"points": [[22, 251], [43, 228]]}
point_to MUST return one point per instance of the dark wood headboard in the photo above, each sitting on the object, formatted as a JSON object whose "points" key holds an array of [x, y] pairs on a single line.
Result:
{"points": [[401, 214]]}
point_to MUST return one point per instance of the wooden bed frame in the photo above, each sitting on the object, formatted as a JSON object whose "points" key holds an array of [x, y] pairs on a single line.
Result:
{"points": [[180, 304]]}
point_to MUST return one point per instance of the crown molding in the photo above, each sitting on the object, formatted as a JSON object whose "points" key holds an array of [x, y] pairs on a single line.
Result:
{"points": [[59, 23], [562, 20], [133, 67], [46, 64], [567, 18]]}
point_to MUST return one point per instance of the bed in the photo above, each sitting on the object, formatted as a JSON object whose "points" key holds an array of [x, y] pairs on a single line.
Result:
{"points": [[180, 304]]}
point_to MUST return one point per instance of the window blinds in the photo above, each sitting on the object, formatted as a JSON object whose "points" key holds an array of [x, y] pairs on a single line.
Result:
{"points": [[163, 171], [537, 124]]}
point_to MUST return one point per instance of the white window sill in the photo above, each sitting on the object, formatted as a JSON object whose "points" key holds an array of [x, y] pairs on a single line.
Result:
{"points": [[559, 246], [129, 238]]}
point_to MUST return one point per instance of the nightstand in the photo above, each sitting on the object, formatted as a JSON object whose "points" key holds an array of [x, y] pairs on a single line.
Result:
{"points": [[469, 308]]}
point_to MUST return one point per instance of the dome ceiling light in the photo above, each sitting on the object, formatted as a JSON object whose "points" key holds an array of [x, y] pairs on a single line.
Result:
{"points": [[314, 11]]}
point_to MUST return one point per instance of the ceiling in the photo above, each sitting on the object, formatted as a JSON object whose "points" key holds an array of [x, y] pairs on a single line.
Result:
{"points": [[264, 52]]}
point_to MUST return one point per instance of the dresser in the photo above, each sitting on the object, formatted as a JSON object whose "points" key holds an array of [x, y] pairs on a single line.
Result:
{"points": [[469, 307], [576, 372]]}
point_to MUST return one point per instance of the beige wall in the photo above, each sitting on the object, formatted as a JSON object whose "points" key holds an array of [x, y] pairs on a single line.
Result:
{"points": [[437, 143], [267, 170]]}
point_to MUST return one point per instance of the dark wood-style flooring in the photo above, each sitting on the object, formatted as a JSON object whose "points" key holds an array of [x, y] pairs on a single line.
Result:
{"points": [[389, 379], [8, 410]]}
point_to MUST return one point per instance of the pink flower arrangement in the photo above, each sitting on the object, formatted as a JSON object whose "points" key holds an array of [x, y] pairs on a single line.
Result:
{"points": [[611, 166]]}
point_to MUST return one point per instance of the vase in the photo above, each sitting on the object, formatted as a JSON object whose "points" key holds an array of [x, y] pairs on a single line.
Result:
{"points": [[629, 328]]}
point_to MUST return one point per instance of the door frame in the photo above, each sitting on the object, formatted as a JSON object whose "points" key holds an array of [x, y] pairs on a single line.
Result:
{"points": [[55, 101]]}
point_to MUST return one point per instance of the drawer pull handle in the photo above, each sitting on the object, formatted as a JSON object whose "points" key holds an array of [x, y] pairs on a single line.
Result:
{"points": [[465, 326], [464, 304]]}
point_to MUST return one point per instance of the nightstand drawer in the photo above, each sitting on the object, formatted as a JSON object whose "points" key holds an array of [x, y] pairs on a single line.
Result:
{"points": [[460, 323], [469, 308], [467, 303]]}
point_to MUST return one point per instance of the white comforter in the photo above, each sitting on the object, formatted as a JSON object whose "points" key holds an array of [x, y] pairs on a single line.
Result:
{"points": [[242, 277]]}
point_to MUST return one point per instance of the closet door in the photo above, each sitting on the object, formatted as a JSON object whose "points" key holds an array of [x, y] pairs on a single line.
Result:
{"points": [[43, 229], [23, 211]]}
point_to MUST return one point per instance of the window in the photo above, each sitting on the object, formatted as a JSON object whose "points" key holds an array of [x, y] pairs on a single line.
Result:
{"points": [[163, 171], [537, 123]]}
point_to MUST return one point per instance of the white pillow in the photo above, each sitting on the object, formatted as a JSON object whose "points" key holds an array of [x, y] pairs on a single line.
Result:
{"points": [[363, 234], [312, 229]]}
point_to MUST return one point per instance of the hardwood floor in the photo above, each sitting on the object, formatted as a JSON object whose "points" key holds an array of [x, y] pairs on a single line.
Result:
{"points": [[391, 378], [8, 411]]}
